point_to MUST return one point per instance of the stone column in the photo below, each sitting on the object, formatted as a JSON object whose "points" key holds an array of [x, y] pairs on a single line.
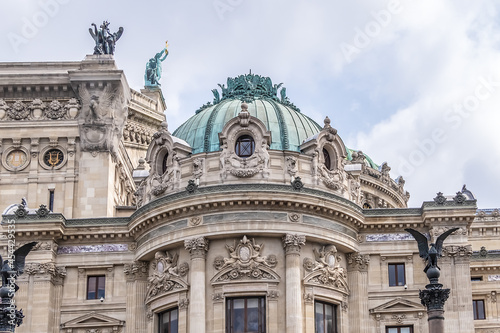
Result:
{"points": [[198, 248], [458, 258], [357, 276], [434, 297], [294, 315], [136, 274]]}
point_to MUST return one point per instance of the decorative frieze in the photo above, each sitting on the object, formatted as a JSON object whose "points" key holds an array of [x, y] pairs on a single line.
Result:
{"points": [[39, 110], [73, 249]]}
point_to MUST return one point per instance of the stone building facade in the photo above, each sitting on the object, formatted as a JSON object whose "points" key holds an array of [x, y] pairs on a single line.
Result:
{"points": [[250, 217]]}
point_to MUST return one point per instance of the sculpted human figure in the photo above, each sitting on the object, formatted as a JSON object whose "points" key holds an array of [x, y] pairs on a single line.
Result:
{"points": [[153, 68]]}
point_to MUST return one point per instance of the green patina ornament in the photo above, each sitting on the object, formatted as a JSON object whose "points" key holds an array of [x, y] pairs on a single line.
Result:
{"points": [[249, 87]]}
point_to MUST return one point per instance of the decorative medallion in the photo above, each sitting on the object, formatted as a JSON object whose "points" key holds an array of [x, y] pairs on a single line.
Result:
{"points": [[55, 110], [53, 157], [17, 159], [440, 198], [18, 111]]}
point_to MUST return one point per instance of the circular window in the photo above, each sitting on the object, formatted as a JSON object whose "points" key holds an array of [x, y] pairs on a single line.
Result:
{"points": [[367, 206], [245, 146], [53, 158]]}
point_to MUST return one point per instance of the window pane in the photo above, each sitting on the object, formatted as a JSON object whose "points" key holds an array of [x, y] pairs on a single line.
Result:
{"points": [[324, 318], [101, 283], [246, 315], [392, 330], [401, 275], [392, 275], [480, 310], [405, 330], [91, 287], [168, 321]]}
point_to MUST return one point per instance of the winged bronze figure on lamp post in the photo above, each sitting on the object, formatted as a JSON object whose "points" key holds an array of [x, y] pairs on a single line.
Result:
{"points": [[432, 253]]}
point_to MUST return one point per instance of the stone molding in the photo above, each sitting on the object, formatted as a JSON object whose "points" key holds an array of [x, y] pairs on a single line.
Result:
{"points": [[293, 242], [358, 262], [197, 247]]}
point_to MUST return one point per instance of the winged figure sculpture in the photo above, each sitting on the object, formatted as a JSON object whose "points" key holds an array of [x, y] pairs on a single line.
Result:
{"points": [[15, 267], [432, 253]]}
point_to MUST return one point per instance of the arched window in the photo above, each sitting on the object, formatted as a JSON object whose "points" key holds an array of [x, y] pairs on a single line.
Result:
{"points": [[164, 163], [326, 158], [245, 146]]}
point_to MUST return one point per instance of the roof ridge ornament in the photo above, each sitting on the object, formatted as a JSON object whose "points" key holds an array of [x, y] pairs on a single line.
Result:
{"points": [[249, 87]]}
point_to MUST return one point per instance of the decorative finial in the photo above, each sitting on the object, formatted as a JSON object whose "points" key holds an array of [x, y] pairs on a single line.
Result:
{"points": [[327, 121]]}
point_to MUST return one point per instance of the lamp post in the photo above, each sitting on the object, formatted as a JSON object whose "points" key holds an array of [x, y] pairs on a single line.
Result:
{"points": [[433, 296]]}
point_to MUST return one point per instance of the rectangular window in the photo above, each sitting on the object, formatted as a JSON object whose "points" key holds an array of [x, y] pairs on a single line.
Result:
{"points": [[168, 321], [397, 275], [476, 278], [478, 308], [246, 315], [96, 287], [399, 329], [51, 200], [325, 317]]}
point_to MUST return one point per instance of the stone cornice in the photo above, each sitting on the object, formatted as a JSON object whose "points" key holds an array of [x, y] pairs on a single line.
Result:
{"points": [[383, 187], [214, 200]]}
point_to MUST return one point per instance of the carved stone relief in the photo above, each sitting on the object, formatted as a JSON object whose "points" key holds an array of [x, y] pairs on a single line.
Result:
{"points": [[245, 262], [165, 274], [325, 269]]}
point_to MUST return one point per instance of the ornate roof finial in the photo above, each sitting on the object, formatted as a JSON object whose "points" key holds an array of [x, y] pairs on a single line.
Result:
{"points": [[327, 122]]}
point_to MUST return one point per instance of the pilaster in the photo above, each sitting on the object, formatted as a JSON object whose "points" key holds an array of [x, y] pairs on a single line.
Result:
{"points": [[136, 274], [294, 315], [357, 275], [197, 248]]}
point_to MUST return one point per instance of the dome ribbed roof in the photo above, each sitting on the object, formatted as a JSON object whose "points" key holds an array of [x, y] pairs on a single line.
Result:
{"points": [[288, 126]]}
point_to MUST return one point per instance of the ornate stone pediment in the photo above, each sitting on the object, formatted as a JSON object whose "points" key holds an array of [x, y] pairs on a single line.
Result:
{"points": [[166, 275], [398, 305], [93, 322], [245, 262], [325, 270]]}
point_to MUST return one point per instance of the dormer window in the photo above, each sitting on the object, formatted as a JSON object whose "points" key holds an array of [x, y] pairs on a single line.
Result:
{"points": [[164, 163], [245, 146], [326, 158]]}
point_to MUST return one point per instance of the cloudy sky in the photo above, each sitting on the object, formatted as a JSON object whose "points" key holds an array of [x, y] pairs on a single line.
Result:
{"points": [[413, 83]]}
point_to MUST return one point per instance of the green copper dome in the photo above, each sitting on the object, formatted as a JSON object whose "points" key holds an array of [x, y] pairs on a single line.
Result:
{"points": [[288, 126]]}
